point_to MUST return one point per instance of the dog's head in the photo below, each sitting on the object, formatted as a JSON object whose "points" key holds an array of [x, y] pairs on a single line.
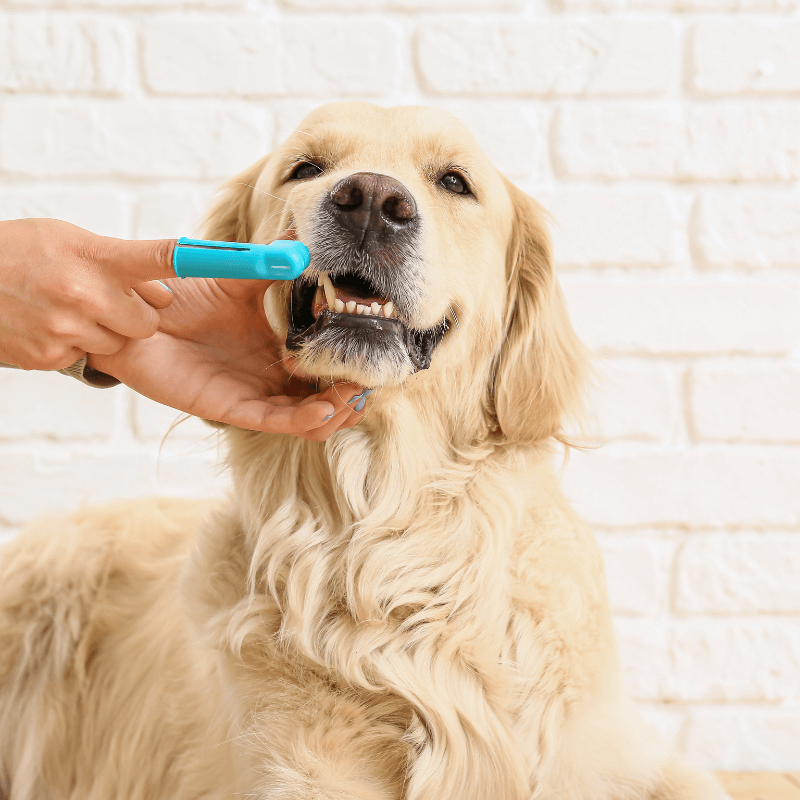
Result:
{"points": [[423, 258]]}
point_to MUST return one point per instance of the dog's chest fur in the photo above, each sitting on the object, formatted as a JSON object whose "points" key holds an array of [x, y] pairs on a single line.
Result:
{"points": [[375, 602]]}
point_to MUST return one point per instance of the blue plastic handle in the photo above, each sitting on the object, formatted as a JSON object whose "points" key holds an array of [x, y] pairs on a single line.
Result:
{"points": [[283, 260]]}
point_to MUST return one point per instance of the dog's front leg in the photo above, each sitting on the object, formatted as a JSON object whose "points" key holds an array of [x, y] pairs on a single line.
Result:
{"points": [[308, 740], [462, 733]]}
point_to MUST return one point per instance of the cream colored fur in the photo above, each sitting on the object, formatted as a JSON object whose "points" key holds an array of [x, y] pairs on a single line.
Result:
{"points": [[411, 610]]}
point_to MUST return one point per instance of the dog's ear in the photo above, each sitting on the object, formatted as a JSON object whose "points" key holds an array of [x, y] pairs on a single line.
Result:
{"points": [[228, 220], [539, 375]]}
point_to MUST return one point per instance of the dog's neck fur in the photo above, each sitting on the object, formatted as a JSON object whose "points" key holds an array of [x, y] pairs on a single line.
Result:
{"points": [[346, 580], [333, 526]]}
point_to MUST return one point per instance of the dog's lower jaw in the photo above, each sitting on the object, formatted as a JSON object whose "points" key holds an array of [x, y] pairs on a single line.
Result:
{"points": [[313, 362]]}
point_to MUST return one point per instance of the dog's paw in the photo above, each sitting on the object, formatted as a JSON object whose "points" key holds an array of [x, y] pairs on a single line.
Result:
{"points": [[679, 781], [297, 786]]}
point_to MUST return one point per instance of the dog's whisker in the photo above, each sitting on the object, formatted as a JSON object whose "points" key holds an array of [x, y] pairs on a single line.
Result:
{"points": [[475, 327], [369, 410], [307, 133], [297, 366], [255, 188], [232, 739], [273, 364], [488, 331], [274, 214], [455, 318]]}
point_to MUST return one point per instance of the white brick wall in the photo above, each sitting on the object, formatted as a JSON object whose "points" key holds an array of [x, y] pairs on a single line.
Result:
{"points": [[664, 135]]}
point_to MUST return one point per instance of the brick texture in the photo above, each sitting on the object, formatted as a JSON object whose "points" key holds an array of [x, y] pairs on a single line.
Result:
{"points": [[125, 5], [403, 5], [757, 230], [728, 487], [738, 56], [606, 58], [131, 139], [715, 734], [747, 403], [168, 213], [681, 5], [664, 138], [643, 224], [63, 53], [52, 479], [177, 59], [692, 318], [352, 58], [637, 568], [100, 210], [37, 405], [633, 401], [711, 661], [744, 141], [739, 573]]}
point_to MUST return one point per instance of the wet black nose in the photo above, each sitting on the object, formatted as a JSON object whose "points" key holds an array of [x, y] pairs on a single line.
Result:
{"points": [[372, 207]]}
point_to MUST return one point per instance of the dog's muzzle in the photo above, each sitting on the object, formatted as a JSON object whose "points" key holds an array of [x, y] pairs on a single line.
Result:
{"points": [[359, 296]]}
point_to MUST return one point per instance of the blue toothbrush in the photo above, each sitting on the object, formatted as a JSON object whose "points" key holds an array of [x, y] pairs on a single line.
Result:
{"points": [[282, 260]]}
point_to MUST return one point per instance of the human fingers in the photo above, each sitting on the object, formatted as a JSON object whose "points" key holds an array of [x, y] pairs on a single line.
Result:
{"points": [[155, 293], [134, 261], [76, 338], [42, 355], [126, 313], [349, 400], [100, 340], [344, 396], [315, 417], [273, 415]]}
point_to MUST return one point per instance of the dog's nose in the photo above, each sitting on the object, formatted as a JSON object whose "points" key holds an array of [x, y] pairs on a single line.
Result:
{"points": [[367, 202]]}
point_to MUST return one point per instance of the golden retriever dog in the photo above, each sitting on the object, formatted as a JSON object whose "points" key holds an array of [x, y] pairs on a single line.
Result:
{"points": [[408, 610]]}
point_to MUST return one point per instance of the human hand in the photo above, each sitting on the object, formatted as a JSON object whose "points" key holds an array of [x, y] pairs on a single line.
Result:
{"points": [[65, 291], [215, 356]]}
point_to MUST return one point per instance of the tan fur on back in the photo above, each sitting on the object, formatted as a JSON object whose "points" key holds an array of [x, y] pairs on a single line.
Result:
{"points": [[410, 610]]}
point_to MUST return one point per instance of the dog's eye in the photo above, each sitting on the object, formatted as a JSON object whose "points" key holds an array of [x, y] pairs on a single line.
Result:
{"points": [[454, 183], [305, 169]]}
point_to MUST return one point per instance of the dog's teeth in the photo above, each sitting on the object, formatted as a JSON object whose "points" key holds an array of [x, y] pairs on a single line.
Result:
{"points": [[351, 306], [326, 284]]}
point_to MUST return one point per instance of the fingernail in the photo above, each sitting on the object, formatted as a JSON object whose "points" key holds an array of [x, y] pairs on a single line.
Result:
{"points": [[360, 405], [165, 286], [354, 398], [368, 391], [325, 419]]}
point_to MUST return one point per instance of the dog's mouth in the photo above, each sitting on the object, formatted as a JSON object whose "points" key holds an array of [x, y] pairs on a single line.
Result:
{"points": [[357, 322]]}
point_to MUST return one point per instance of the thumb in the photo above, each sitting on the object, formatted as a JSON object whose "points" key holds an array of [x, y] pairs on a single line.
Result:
{"points": [[136, 261], [243, 289]]}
